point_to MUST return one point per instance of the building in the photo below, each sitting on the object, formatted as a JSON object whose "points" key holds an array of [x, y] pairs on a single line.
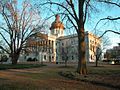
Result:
{"points": [[113, 54], [55, 47]]}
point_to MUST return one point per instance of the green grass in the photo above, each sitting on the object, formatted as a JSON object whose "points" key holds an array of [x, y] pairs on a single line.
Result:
{"points": [[19, 66]]}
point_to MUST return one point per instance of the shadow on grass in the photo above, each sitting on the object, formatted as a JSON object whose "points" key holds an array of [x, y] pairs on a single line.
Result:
{"points": [[98, 66], [72, 76], [66, 67], [17, 86], [20, 66], [3, 79]]}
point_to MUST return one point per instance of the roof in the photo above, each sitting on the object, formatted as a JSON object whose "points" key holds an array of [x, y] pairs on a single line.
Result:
{"points": [[57, 23]]}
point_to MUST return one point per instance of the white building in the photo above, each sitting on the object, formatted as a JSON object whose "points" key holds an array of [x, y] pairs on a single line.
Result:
{"points": [[55, 47]]}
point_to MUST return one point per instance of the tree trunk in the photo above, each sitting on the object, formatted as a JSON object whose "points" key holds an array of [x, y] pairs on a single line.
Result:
{"points": [[14, 58], [81, 69], [65, 63], [96, 62]]}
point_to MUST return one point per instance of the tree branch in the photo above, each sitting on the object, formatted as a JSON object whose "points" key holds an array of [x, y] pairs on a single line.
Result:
{"points": [[1, 47], [108, 18], [109, 31], [50, 2], [86, 8], [109, 2], [73, 9], [4, 39]]}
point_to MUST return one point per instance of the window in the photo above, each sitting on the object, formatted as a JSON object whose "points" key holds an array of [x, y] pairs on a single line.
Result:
{"points": [[62, 50], [45, 57], [52, 57], [72, 57], [93, 48], [62, 44], [90, 47], [49, 58], [49, 41], [56, 50], [91, 57]]}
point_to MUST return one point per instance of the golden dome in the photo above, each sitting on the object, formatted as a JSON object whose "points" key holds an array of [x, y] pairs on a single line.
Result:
{"points": [[57, 23]]}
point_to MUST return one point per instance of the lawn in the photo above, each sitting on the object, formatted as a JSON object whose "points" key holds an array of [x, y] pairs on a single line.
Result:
{"points": [[48, 78], [19, 66]]}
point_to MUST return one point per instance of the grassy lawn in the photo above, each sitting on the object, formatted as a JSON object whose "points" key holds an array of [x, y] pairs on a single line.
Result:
{"points": [[19, 66], [108, 76], [48, 78]]}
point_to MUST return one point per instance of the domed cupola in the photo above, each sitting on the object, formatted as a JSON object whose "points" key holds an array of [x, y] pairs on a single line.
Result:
{"points": [[57, 27]]}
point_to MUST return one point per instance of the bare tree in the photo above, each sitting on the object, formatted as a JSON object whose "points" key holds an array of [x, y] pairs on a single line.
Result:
{"points": [[17, 26], [76, 13], [110, 18], [100, 49]]}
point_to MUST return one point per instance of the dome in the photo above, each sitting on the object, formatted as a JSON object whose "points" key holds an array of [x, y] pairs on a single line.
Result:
{"points": [[57, 23]]}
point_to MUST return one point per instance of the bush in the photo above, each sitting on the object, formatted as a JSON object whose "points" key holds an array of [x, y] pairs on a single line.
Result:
{"points": [[34, 59], [30, 59], [4, 58], [67, 74]]}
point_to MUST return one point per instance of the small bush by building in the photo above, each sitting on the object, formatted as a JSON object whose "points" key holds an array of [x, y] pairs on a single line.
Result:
{"points": [[4, 58], [31, 60]]}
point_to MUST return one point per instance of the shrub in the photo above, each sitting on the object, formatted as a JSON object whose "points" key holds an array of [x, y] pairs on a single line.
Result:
{"points": [[4, 58], [29, 59], [35, 59]]}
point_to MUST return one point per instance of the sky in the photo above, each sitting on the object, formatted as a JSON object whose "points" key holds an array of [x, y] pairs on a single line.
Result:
{"points": [[112, 25], [112, 11], [105, 11]]}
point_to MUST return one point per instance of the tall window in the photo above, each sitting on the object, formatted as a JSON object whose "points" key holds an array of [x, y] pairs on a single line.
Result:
{"points": [[91, 57], [56, 50], [45, 57], [72, 57], [90, 47], [62, 44]]}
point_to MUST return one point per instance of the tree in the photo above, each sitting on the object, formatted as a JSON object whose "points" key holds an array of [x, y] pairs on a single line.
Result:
{"points": [[98, 55], [100, 49], [110, 18], [17, 26], [77, 18]]}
